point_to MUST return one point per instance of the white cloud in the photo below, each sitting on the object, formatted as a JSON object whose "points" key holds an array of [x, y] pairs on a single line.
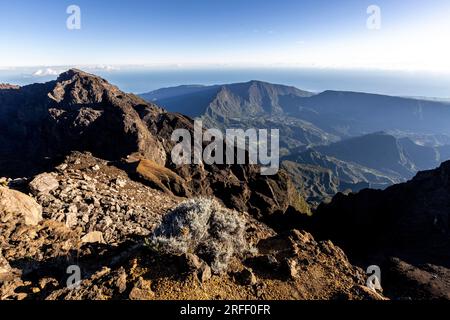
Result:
{"points": [[46, 72], [103, 67]]}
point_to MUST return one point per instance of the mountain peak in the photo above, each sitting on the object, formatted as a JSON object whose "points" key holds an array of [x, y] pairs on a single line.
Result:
{"points": [[7, 86], [77, 87], [74, 73]]}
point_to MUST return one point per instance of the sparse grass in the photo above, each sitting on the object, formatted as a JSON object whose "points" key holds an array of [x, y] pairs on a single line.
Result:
{"points": [[159, 176]]}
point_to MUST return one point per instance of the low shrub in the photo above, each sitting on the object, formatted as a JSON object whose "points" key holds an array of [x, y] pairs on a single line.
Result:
{"points": [[202, 226]]}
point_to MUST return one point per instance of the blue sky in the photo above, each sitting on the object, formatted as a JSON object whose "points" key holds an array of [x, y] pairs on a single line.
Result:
{"points": [[414, 33]]}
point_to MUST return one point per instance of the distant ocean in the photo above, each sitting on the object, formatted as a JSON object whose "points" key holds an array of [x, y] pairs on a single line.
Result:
{"points": [[414, 84]]}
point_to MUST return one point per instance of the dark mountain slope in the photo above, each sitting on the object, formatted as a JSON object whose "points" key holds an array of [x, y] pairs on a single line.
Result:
{"points": [[189, 100], [409, 217], [423, 157], [379, 151], [404, 229], [352, 113]]}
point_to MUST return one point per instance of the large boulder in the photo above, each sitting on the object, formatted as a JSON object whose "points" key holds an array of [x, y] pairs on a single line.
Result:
{"points": [[43, 184], [16, 204]]}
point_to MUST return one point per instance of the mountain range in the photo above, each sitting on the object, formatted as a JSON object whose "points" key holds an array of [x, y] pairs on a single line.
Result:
{"points": [[360, 140], [344, 114]]}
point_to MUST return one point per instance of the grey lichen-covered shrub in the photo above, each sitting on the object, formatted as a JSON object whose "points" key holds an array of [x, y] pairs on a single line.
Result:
{"points": [[203, 227]]}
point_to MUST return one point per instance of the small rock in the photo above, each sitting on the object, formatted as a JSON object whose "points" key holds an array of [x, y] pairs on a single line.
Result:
{"points": [[247, 277], [71, 217], [93, 237], [121, 282], [85, 218], [121, 182], [62, 167], [108, 221], [35, 290], [21, 296], [142, 290], [193, 262], [45, 282], [4, 265], [368, 293], [96, 168], [292, 267], [204, 273], [43, 184], [200, 267]]}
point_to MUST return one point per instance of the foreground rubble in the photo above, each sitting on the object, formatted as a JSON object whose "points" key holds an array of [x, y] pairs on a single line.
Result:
{"points": [[96, 218]]}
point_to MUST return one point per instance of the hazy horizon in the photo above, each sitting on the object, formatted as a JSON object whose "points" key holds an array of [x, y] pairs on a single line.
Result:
{"points": [[141, 79]]}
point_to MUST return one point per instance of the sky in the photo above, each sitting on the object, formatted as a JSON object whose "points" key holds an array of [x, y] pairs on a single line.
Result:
{"points": [[413, 34]]}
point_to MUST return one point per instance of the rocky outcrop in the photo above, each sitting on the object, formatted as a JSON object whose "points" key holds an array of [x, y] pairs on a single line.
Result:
{"points": [[78, 111], [16, 205]]}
